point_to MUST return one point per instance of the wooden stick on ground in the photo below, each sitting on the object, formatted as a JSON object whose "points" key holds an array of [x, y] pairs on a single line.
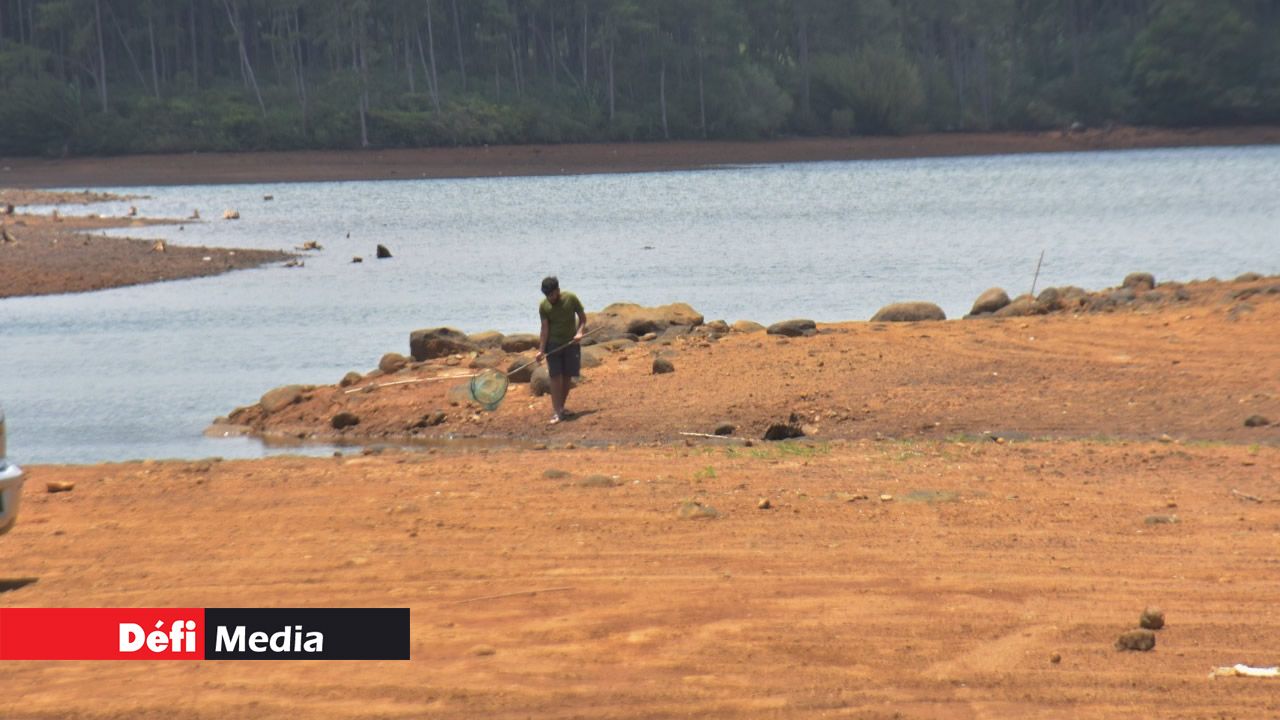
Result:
{"points": [[513, 594], [715, 437], [363, 388], [1243, 496]]}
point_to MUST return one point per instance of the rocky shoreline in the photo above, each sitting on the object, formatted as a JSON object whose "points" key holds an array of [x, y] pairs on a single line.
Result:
{"points": [[425, 394]]}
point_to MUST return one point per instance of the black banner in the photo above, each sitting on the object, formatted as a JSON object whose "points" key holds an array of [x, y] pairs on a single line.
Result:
{"points": [[306, 634]]}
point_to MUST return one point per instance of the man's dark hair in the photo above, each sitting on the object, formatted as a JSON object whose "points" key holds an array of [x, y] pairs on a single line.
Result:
{"points": [[550, 284]]}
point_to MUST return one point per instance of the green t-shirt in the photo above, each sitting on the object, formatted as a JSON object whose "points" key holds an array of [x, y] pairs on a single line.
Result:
{"points": [[562, 321]]}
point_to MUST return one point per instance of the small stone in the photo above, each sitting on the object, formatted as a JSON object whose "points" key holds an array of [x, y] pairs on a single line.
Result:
{"points": [[1166, 439], [357, 259], [662, 366], [764, 504], [555, 474], [1136, 640], [724, 428], [383, 252], [1055, 658], [1161, 520], [1256, 421], [350, 379], [886, 498], [483, 650], [57, 486], [696, 511], [1152, 618], [600, 481]]}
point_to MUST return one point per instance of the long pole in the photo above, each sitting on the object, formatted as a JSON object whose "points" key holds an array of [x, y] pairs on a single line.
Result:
{"points": [[1037, 277]]}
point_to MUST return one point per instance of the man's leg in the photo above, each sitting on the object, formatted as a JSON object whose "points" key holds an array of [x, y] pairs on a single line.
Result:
{"points": [[558, 393]]}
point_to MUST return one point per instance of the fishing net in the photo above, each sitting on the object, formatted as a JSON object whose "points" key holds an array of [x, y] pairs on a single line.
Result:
{"points": [[488, 387]]}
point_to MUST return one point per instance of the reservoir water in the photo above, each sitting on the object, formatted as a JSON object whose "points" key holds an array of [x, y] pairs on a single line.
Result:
{"points": [[139, 372]]}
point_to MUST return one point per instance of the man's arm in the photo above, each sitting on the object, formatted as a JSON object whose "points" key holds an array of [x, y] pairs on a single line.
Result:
{"points": [[582, 324], [542, 343]]}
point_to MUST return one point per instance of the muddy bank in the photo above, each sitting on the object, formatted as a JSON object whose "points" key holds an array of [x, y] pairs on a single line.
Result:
{"points": [[1189, 361], [46, 255], [579, 159]]}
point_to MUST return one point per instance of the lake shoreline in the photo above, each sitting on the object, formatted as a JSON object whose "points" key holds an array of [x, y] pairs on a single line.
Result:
{"points": [[54, 255], [579, 159]]}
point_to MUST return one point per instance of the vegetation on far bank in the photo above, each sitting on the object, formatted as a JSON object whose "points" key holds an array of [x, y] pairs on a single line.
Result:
{"points": [[138, 76]]}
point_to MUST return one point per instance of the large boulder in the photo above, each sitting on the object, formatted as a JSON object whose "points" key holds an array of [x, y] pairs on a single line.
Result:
{"points": [[793, 328], [990, 301], [519, 342], [1022, 306], [282, 397], [1139, 281], [438, 342], [620, 319], [909, 312], [489, 339], [520, 371], [540, 382], [490, 359], [392, 363]]}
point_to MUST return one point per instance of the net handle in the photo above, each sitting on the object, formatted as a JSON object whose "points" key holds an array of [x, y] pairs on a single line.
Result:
{"points": [[553, 352]]}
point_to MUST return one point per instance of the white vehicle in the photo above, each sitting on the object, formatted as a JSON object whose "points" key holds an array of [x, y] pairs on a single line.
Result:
{"points": [[10, 486]]}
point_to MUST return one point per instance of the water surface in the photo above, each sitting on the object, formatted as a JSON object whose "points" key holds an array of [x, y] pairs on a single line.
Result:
{"points": [[140, 371]]}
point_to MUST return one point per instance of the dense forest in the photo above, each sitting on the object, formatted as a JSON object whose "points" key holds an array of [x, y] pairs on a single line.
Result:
{"points": [[126, 76]]}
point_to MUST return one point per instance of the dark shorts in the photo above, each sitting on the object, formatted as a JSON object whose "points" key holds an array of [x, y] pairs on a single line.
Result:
{"points": [[566, 362]]}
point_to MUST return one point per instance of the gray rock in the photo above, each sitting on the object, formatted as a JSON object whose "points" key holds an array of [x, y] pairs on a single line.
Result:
{"points": [[718, 326], [489, 339], [1136, 640], [520, 371], [392, 363], [909, 312], [383, 252], [350, 379], [519, 342], [593, 357], [661, 366], [724, 428], [1049, 300], [675, 331], [344, 420], [1021, 306], [282, 397], [1139, 281], [1255, 421], [746, 326], [438, 342], [540, 381], [617, 344], [630, 319], [990, 301], [489, 360], [555, 474], [799, 327]]}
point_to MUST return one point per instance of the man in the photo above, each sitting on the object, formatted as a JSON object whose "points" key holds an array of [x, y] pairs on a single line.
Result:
{"points": [[563, 323]]}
